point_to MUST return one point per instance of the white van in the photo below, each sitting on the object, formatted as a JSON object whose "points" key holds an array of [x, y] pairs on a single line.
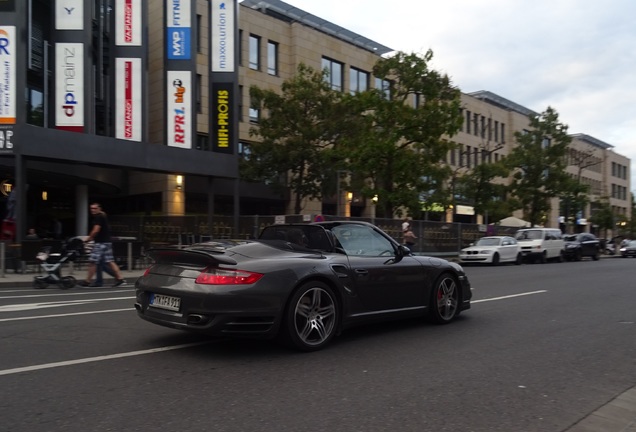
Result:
{"points": [[541, 244]]}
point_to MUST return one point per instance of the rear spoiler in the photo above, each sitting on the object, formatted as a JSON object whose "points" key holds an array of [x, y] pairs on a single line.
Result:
{"points": [[191, 257]]}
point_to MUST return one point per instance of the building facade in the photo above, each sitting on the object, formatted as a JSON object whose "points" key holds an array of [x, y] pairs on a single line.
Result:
{"points": [[144, 106]]}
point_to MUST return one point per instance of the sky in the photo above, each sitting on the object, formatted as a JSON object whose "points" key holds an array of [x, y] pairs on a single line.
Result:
{"points": [[576, 56]]}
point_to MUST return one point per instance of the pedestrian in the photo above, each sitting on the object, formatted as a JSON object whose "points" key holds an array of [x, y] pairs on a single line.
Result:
{"points": [[102, 268], [405, 224], [32, 235], [103, 248], [409, 238]]}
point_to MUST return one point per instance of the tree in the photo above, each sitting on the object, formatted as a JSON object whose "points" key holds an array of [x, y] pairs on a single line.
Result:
{"points": [[396, 148], [297, 135], [538, 164], [602, 215]]}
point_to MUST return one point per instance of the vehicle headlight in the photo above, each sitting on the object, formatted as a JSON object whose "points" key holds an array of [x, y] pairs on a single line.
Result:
{"points": [[623, 249], [570, 246]]}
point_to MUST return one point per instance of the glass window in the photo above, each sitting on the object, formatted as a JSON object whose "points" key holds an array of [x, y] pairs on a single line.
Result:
{"points": [[199, 18], [384, 86], [334, 73], [468, 117], [255, 52], [358, 80], [199, 93], [272, 58], [255, 112]]}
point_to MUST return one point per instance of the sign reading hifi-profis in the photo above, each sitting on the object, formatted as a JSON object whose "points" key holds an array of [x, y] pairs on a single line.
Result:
{"points": [[179, 94], [7, 75], [69, 86], [178, 29], [223, 117]]}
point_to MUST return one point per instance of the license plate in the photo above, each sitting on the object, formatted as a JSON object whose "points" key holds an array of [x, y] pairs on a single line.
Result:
{"points": [[165, 302]]}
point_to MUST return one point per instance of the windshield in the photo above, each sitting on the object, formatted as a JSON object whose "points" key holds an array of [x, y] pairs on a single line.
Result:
{"points": [[488, 242], [570, 237], [529, 235]]}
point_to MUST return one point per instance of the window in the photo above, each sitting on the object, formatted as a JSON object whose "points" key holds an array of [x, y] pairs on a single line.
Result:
{"points": [[240, 104], [244, 150], [198, 94], [334, 73], [255, 112], [199, 31], [240, 48], [384, 86], [202, 142], [272, 58], [468, 116], [482, 125], [476, 124], [452, 156], [496, 131], [358, 80], [503, 133], [469, 150], [255, 52]]}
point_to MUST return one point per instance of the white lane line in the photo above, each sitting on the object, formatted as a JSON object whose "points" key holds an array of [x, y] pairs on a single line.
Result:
{"points": [[74, 293], [33, 306], [64, 315], [98, 358], [509, 296]]}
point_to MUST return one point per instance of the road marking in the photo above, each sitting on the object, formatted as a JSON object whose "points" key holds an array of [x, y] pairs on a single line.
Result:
{"points": [[509, 296], [32, 306], [64, 315], [99, 358], [62, 294]]}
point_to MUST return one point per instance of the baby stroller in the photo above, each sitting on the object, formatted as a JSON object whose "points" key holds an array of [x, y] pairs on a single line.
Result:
{"points": [[52, 263]]}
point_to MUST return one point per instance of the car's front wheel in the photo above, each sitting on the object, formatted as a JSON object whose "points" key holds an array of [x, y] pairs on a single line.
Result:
{"points": [[311, 317], [444, 305]]}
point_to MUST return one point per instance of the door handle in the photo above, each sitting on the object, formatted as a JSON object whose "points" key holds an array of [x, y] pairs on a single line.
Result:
{"points": [[362, 272]]}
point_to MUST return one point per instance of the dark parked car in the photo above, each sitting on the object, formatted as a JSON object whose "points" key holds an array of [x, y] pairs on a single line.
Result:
{"points": [[628, 249], [301, 282], [582, 245]]}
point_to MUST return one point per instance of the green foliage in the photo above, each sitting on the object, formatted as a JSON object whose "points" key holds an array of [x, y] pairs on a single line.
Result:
{"points": [[479, 187], [297, 135], [539, 165], [602, 215], [397, 147]]}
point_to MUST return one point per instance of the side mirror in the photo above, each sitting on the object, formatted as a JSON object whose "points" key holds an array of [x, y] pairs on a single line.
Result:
{"points": [[401, 252]]}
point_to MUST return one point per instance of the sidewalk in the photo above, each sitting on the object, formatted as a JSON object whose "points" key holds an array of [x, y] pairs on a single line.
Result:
{"points": [[19, 280]]}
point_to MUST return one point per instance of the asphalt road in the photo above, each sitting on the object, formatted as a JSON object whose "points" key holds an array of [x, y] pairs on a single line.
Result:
{"points": [[542, 347]]}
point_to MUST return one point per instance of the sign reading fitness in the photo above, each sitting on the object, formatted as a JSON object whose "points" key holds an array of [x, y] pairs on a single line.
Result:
{"points": [[178, 29], [128, 99], [222, 35], [7, 75], [179, 113], [69, 86], [223, 116]]}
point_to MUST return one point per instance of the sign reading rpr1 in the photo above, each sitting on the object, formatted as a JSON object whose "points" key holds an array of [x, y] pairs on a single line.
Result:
{"points": [[178, 29]]}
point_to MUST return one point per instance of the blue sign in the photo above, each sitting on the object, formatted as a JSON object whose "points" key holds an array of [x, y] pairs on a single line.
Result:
{"points": [[178, 43]]}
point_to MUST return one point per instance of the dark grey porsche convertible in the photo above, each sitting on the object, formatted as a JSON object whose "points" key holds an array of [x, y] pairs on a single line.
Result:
{"points": [[303, 283]]}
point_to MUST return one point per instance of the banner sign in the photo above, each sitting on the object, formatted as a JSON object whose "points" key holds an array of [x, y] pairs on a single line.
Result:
{"points": [[69, 86], [6, 139], [222, 35], [179, 113], [222, 117], [128, 22], [7, 74], [128, 101], [178, 29], [69, 14]]}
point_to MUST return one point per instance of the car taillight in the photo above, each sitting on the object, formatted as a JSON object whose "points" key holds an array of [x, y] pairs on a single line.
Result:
{"points": [[216, 276], [147, 271]]}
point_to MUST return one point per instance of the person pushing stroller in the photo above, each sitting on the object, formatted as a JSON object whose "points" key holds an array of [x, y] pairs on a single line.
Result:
{"points": [[103, 248]]}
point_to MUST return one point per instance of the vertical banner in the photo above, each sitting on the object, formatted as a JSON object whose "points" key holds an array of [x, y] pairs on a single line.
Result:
{"points": [[223, 117], [128, 121], [7, 75], [69, 14], [128, 23], [222, 35], [69, 86], [179, 96], [178, 29]]}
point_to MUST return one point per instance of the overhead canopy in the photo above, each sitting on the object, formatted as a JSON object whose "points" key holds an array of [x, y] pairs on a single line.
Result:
{"points": [[512, 221]]}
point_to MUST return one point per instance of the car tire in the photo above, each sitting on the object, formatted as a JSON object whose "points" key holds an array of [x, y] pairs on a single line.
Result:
{"points": [[597, 255], [519, 259], [578, 255], [495, 259], [445, 298], [544, 257], [311, 318]]}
